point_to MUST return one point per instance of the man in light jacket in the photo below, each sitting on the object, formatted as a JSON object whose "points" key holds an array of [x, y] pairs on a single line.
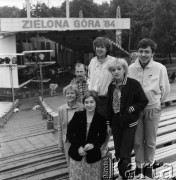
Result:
{"points": [[155, 83]]}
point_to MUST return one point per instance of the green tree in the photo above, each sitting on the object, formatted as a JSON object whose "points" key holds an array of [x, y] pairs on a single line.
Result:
{"points": [[40, 10], [140, 13], [141, 20], [9, 12], [88, 7], [103, 10], [126, 6], [23, 13], [164, 26], [62, 10], [55, 12]]}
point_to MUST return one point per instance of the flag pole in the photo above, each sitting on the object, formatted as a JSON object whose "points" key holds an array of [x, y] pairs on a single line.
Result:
{"points": [[67, 9]]}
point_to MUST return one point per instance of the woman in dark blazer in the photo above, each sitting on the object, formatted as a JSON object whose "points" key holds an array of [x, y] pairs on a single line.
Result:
{"points": [[126, 99], [86, 133]]}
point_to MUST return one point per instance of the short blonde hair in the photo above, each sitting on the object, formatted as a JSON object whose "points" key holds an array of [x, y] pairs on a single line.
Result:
{"points": [[117, 61], [72, 87]]}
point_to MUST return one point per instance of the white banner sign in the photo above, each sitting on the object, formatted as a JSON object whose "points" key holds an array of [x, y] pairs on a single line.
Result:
{"points": [[62, 24]]}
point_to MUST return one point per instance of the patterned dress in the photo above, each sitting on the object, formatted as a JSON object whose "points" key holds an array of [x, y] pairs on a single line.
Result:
{"points": [[81, 170]]}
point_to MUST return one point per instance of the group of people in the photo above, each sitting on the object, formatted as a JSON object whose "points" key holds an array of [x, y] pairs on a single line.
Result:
{"points": [[116, 100]]}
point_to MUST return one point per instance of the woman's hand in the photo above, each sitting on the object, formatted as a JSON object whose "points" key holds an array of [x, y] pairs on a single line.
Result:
{"points": [[88, 147], [81, 151], [109, 130]]}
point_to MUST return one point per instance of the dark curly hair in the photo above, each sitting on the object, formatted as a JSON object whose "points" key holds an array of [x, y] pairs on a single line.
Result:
{"points": [[146, 42], [104, 41]]}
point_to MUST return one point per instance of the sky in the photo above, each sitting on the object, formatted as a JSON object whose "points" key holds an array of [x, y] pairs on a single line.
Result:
{"points": [[21, 3]]}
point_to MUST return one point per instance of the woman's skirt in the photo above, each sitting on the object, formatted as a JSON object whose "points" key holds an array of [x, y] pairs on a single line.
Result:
{"points": [[81, 170]]}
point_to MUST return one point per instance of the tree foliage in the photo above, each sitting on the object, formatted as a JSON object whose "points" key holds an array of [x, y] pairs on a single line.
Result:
{"points": [[40, 10], [9, 12], [141, 14], [164, 26], [88, 7]]}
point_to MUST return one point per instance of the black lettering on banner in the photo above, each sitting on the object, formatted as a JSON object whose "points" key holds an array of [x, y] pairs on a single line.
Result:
{"points": [[65, 24], [76, 23], [84, 23], [112, 23], [90, 23], [50, 24], [43, 25], [58, 23], [97, 23], [25, 24], [36, 23], [106, 23]]}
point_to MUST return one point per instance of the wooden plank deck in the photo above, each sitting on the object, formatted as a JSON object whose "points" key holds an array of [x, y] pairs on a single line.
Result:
{"points": [[4, 106]]}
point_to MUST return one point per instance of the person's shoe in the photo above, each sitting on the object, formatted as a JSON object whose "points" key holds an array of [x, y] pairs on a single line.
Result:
{"points": [[119, 178], [148, 171], [139, 172], [157, 164], [125, 169]]}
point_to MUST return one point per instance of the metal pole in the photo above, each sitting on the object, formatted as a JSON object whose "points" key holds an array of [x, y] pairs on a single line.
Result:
{"points": [[28, 7], [129, 42], [118, 32], [80, 13], [67, 9], [41, 79], [11, 81], [37, 69]]}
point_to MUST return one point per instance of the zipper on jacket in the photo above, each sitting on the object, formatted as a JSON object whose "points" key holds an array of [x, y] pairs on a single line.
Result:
{"points": [[142, 76]]}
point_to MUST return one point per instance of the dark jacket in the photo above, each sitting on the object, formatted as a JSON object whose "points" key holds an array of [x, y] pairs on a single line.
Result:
{"points": [[76, 134], [132, 95]]}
